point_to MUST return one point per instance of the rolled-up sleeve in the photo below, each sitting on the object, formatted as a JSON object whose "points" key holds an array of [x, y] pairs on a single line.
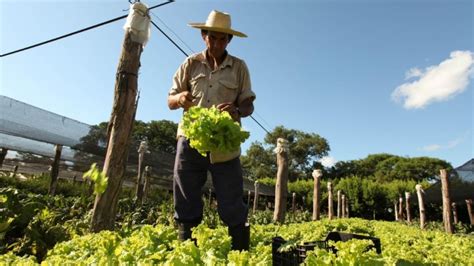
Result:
{"points": [[246, 87]]}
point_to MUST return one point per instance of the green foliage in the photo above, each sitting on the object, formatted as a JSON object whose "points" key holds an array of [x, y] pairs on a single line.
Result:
{"points": [[209, 129], [98, 177]]}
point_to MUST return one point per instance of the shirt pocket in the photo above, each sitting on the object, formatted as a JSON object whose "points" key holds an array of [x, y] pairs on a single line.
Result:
{"points": [[197, 85], [228, 91]]}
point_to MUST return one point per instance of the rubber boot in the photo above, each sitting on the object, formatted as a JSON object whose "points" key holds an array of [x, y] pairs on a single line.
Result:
{"points": [[184, 231], [240, 235]]}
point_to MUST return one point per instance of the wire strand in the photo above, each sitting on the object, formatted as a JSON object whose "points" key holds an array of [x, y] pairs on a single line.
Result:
{"points": [[174, 33], [78, 31], [169, 39]]}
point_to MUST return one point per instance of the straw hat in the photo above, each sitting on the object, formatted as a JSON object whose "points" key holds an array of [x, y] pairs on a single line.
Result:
{"points": [[219, 22]]}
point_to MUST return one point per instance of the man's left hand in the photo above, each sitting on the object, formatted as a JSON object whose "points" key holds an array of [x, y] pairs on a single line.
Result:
{"points": [[230, 108]]}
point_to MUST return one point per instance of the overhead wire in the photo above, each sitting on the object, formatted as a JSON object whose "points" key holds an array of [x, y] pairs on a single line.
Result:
{"points": [[78, 31]]}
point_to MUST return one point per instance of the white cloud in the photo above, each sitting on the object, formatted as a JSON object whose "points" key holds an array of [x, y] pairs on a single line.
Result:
{"points": [[328, 161], [413, 73], [436, 83], [432, 147], [451, 144]]}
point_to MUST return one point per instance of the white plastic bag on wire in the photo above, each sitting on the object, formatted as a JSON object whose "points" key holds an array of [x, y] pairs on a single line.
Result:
{"points": [[138, 23]]}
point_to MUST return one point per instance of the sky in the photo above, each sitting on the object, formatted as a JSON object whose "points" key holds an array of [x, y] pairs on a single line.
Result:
{"points": [[370, 77]]}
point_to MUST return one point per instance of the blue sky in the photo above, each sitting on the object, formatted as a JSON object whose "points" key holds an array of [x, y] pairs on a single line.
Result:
{"points": [[369, 76]]}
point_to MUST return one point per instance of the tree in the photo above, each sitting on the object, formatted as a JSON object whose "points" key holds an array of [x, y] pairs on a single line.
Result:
{"points": [[305, 151]]}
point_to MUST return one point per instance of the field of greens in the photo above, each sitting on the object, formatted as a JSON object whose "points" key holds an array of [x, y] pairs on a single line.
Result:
{"points": [[401, 244]]}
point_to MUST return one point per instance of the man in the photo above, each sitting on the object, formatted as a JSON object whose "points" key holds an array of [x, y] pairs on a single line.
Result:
{"points": [[212, 78]]}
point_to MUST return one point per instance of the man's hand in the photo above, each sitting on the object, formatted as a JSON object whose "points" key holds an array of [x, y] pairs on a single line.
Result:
{"points": [[184, 99], [231, 109]]}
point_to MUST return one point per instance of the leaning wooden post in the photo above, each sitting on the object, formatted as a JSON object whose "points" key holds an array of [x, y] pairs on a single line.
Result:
{"points": [[400, 208], [339, 204], [316, 193], [255, 197], [293, 203], [407, 206], [147, 185], [281, 187], [119, 129], [421, 205], [469, 210], [55, 169], [140, 180], [330, 201], [455, 213], [448, 225], [343, 206], [3, 154], [395, 208], [15, 170]]}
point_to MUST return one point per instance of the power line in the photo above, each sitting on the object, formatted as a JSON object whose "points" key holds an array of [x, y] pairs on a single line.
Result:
{"points": [[78, 31], [174, 33]]}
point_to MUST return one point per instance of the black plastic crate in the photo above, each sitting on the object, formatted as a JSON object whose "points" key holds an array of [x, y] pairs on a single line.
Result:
{"points": [[296, 255]]}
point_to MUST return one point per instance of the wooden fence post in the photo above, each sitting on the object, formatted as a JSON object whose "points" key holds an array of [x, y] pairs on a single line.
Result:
{"points": [[15, 170], [448, 226], [343, 206], [469, 210], [316, 193], [339, 204], [255, 197], [347, 204], [120, 125], [421, 205], [55, 169], [281, 186], [400, 208], [395, 209], [330, 201], [407, 205], [147, 185], [3, 154], [140, 180], [455, 213]]}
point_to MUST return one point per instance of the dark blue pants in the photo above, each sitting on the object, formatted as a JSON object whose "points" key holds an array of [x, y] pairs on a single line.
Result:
{"points": [[190, 174]]}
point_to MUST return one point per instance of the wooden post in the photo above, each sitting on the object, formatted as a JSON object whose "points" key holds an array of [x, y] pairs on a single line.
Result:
{"points": [[255, 197], [140, 180], [55, 169], [407, 206], [316, 193], [400, 208], [330, 201], [469, 210], [281, 186], [339, 204], [15, 170], [248, 198], [293, 203], [448, 226], [455, 213], [147, 185], [395, 209], [421, 205], [343, 205], [3, 154], [119, 129], [346, 203]]}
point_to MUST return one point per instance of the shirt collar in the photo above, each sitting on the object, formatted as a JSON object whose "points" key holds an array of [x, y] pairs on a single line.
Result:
{"points": [[228, 61]]}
